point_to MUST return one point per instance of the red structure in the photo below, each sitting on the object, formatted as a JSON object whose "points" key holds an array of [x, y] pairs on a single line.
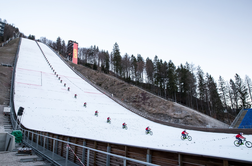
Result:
{"points": [[72, 51]]}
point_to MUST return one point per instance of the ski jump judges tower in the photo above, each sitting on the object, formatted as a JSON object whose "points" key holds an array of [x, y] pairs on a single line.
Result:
{"points": [[72, 51]]}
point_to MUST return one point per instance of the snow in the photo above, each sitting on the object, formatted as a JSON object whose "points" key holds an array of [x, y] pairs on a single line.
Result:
{"points": [[49, 106]]}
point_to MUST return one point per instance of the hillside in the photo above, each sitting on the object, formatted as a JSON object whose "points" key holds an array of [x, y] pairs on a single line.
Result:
{"points": [[7, 55], [147, 104]]}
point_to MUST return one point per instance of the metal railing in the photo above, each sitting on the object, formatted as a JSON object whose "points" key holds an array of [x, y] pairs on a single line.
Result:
{"points": [[236, 118], [27, 134]]}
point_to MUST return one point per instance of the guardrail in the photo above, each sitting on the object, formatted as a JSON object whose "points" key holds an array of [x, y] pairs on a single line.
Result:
{"points": [[46, 139]]}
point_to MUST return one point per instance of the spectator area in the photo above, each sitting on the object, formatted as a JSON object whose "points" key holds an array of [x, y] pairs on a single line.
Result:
{"points": [[247, 120]]}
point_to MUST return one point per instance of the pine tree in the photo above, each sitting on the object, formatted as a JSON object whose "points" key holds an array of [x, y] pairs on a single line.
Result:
{"points": [[172, 80], [214, 97], [201, 86], [58, 45], [117, 59], [149, 70]]}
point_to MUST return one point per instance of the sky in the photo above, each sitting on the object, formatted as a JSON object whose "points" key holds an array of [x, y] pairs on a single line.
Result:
{"points": [[215, 35], [50, 107]]}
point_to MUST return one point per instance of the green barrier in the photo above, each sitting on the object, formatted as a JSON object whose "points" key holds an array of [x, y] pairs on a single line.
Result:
{"points": [[18, 135]]}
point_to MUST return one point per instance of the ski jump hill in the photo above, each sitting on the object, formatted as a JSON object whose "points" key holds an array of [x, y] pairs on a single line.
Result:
{"points": [[49, 107]]}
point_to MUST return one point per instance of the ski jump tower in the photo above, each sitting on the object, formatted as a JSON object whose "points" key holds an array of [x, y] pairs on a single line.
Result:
{"points": [[72, 51]]}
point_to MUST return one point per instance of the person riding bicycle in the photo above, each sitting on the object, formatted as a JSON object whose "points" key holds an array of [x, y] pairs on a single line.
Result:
{"points": [[124, 125], [108, 119], [240, 137], [148, 129], [96, 112], [184, 133]]}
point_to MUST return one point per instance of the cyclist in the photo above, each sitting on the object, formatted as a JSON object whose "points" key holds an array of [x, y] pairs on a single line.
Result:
{"points": [[240, 137], [184, 133], [148, 129], [108, 119], [124, 125]]}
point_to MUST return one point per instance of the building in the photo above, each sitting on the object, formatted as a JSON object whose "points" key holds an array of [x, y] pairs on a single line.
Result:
{"points": [[72, 51]]}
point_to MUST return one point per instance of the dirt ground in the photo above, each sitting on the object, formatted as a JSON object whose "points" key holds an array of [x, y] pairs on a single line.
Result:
{"points": [[7, 55]]}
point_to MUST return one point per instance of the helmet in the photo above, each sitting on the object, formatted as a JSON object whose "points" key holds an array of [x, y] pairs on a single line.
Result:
{"points": [[241, 133]]}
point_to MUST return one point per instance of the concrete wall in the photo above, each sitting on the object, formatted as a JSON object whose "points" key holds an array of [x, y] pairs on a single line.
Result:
{"points": [[7, 142]]}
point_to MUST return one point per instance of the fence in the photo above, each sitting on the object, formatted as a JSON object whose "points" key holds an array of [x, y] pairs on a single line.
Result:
{"points": [[44, 141]]}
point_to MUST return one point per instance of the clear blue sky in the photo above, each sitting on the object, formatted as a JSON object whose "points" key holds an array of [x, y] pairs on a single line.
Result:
{"points": [[213, 34]]}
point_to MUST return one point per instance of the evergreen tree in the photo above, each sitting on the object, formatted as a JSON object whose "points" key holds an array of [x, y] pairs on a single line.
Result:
{"points": [[172, 80], [58, 45], [63, 48], [214, 97], [149, 70], [183, 83], [117, 59], [201, 86], [133, 66], [107, 62], [32, 37]]}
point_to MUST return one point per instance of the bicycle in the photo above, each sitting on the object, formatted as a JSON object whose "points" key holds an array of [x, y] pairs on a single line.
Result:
{"points": [[148, 132], [125, 127], [187, 137], [246, 143]]}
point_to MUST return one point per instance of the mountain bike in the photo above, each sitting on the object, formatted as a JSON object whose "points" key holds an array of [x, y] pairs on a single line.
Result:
{"points": [[125, 127], [148, 132], [246, 143], [186, 137]]}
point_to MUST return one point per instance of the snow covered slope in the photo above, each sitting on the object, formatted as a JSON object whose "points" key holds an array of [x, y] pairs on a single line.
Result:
{"points": [[49, 106]]}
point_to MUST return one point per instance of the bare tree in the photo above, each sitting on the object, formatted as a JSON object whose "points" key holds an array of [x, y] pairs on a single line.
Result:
{"points": [[234, 94], [149, 68], [126, 65], [223, 91], [249, 86]]}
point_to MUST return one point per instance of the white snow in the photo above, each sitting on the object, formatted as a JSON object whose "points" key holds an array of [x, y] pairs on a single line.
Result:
{"points": [[48, 106]]}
